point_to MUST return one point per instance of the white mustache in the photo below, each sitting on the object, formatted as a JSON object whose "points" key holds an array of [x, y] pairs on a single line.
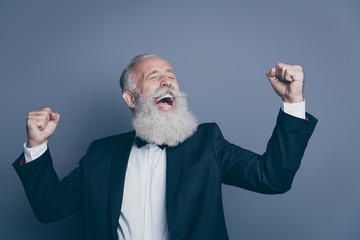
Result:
{"points": [[162, 91]]}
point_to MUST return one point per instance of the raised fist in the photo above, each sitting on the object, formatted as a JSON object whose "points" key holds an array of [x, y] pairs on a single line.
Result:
{"points": [[287, 81], [40, 125]]}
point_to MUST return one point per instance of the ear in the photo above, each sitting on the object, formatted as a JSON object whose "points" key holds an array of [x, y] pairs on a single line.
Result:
{"points": [[129, 98]]}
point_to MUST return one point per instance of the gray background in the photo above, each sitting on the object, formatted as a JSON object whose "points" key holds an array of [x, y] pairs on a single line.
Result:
{"points": [[69, 55]]}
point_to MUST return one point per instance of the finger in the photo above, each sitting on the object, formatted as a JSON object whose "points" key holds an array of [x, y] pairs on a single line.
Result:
{"points": [[47, 109], [38, 115], [295, 74], [39, 112], [37, 118], [297, 67], [288, 75], [280, 71], [283, 69], [51, 126], [271, 74], [54, 117], [42, 110]]}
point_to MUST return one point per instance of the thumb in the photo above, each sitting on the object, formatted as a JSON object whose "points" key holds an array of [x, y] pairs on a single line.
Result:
{"points": [[54, 117], [271, 74], [51, 126]]}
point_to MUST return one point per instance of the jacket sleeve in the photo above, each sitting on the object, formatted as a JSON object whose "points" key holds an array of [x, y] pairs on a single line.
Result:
{"points": [[272, 172], [49, 198]]}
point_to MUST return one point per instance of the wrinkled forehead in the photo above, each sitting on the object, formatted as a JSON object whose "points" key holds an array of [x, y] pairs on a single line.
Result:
{"points": [[151, 63]]}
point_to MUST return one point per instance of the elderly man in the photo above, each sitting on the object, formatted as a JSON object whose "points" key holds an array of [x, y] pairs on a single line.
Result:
{"points": [[163, 180]]}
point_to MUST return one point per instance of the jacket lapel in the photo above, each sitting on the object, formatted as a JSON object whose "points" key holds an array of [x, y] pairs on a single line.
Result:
{"points": [[174, 163], [119, 162]]}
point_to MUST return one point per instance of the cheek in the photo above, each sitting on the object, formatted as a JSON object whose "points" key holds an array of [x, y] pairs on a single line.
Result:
{"points": [[149, 89], [176, 86]]}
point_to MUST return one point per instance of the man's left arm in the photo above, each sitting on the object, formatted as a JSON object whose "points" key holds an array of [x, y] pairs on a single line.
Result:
{"points": [[272, 172]]}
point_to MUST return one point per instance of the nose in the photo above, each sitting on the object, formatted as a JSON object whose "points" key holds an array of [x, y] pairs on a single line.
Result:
{"points": [[165, 82]]}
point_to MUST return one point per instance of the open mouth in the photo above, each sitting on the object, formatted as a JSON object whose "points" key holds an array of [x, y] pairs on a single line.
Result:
{"points": [[165, 102]]}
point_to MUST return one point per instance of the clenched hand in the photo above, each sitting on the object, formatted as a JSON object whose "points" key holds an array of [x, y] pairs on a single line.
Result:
{"points": [[287, 81], [40, 125]]}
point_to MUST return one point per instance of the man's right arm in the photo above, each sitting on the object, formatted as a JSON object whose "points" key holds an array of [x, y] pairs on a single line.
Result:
{"points": [[40, 125], [49, 198]]}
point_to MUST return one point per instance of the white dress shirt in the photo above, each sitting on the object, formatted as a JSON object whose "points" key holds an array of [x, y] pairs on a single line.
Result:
{"points": [[143, 209]]}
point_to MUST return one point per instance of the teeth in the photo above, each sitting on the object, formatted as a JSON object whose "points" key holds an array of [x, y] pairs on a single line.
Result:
{"points": [[168, 95]]}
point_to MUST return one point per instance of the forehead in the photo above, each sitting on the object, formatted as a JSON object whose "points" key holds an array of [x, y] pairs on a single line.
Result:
{"points": [[151, 63]]}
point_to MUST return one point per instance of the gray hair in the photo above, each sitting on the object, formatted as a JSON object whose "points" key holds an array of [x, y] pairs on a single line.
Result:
{"points": [[127, 82]]}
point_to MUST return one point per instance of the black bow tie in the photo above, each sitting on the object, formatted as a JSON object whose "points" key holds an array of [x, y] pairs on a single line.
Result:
{"points": [[140, 143]]}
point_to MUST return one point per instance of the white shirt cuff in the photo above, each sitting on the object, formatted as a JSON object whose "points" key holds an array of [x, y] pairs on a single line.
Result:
{"points": [[294, 109], [35, 152]]}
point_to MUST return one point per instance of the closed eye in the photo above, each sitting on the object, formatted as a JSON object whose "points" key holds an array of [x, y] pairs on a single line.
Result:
{"points": [[171, 76], [153, 76]]}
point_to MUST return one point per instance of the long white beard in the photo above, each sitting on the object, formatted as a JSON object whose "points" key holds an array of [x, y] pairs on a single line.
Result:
{"points": [[169, 127]]}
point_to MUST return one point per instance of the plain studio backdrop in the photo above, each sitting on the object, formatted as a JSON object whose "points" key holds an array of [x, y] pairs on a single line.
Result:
{"points": [[69, 55]]}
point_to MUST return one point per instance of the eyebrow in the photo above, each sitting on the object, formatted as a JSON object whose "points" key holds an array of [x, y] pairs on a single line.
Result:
{"points": [[169, 70]]}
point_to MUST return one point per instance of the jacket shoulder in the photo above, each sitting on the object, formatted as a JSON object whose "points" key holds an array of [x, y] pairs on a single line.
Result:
{"points": [[210, 128], [112, 141], [207, 126], [102, 150]]}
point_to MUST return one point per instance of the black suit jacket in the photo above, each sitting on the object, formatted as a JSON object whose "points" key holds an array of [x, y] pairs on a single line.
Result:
{"points": [[195, 172]]}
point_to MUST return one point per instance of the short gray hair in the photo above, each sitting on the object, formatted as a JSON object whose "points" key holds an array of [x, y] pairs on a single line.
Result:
{"points": [[127, 82]]}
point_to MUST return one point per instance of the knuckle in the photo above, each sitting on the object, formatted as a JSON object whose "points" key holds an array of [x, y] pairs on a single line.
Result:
{"points": [[45, 110]]}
